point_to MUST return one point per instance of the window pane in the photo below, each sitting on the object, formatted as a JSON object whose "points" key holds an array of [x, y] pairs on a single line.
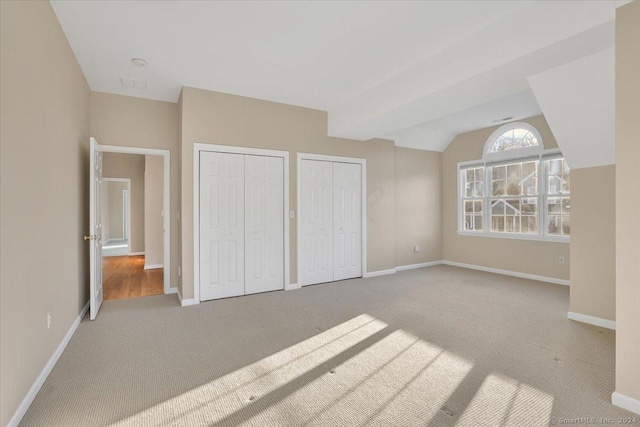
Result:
{"points": [[474, 182], [514, 215], [515, 179], [566, 225], [558, 176], [468, 206], [514, 139], [473, 215], [529, 224], [559, 209], [497, 223], [513, 187], [478, 223], [555, 225]]}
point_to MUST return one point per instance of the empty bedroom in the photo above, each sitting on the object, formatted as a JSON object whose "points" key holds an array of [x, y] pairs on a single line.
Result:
{"points": [[308, 213]]}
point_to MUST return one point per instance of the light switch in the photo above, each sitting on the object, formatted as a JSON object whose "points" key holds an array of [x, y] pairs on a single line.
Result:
{"points": [[292, 214]]}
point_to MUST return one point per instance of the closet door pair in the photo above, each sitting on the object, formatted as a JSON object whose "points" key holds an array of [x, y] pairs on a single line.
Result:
{"points": [[241, 224], [330, 221]]}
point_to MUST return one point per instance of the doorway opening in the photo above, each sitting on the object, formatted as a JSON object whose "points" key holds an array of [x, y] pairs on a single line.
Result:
{"points": [[124, 275], [132, 225]]}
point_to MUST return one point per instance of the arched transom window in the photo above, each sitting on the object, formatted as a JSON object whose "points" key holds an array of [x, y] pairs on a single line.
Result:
{"points": [[513, 140]]}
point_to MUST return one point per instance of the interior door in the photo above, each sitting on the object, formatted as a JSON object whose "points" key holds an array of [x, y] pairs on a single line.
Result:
{"points": [[95, 228], [316, 222], [347, 221], [264, 226], [221, 225]]}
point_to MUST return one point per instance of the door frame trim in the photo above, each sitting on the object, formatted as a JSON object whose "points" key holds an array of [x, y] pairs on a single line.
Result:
{"points": [[201, 146], [166, 202], [337, 159]]}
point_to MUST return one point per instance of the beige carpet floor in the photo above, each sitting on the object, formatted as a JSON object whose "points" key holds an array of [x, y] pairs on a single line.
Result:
{"points": [[439, 346]]}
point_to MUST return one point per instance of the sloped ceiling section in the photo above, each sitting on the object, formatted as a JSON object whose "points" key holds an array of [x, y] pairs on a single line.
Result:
{"points": [[422, 138], [578, 101], [479, 69]]}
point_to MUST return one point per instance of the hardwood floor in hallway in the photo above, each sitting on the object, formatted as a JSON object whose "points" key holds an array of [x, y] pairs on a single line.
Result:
{"points": [[125, 277]]}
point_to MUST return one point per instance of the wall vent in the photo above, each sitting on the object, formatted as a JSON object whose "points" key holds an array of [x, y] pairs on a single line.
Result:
{"points": [[133, 83]]}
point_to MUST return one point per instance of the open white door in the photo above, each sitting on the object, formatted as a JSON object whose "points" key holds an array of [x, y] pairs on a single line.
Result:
{"points": [[95, 228]]}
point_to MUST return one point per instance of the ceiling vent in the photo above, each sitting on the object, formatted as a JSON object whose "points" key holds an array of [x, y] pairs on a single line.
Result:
{"points": [[504, 119], [133, 83]]}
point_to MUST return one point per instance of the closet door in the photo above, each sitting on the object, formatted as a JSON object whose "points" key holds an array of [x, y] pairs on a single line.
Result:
{"points": [[264, 226], [316, 222], [221, 225], [347, 221]]}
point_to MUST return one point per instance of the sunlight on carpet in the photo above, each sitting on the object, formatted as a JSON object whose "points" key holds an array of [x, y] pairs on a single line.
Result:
{"points": [[358, 372], [503, 401]]}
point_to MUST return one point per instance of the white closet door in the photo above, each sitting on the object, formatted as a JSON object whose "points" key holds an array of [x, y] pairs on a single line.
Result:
{"points": [[264, 227], [347, 221], [316, 222], [221, 225]]}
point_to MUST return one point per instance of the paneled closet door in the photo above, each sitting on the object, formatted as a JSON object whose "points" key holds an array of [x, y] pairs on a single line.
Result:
{"points": [[264, 226], [221, 225], [316, 222], [347, 221]]}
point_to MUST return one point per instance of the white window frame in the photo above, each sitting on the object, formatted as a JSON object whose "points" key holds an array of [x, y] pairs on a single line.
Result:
{"points": [[542, 215]]}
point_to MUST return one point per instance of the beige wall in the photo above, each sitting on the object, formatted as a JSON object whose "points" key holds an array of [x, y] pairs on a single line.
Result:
{"points": [[525, 256], [153, 227], [417, 208], [593, 242], [44, 176], [116, 165], [628, 200], [137, 122], [218, 118]]}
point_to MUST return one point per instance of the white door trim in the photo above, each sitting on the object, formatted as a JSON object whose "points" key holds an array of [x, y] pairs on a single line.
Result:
{"points": [[339, 159], [128, 182], [197, 148], [166, 201]]}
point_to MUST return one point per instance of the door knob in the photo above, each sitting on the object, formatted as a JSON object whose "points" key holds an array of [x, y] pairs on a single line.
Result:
{"points": [[89, 237]]}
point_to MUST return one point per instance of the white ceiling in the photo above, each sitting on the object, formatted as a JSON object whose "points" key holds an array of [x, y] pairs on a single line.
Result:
{"points": [[420, 70]]}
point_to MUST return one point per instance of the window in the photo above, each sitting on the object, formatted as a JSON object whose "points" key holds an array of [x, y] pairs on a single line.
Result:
{"points": [[526, 196], [513, 140], [473, 198]]}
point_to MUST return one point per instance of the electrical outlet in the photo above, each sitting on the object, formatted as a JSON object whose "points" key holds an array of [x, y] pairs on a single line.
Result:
{"points": [[416, 248], [49, 319], [561, 259], [292, 214]]}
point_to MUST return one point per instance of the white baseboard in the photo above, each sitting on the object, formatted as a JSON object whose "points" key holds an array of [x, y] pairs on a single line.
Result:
{"points": [[625, 402], [592, 320], [172, 290], [35, 388], [421, 265], [509, 273], [184, 302], [291, 286], [135, 253], [379, 273], [153, 266]]}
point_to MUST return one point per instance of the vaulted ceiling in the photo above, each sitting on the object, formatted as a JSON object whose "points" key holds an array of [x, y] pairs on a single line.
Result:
{"points": [[415, 72]]}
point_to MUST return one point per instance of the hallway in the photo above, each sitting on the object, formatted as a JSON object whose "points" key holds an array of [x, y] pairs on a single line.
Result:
{"points": [[125, 277]]}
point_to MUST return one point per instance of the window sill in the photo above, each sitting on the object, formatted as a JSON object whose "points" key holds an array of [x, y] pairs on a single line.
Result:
{"points": [[555, 239]]}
